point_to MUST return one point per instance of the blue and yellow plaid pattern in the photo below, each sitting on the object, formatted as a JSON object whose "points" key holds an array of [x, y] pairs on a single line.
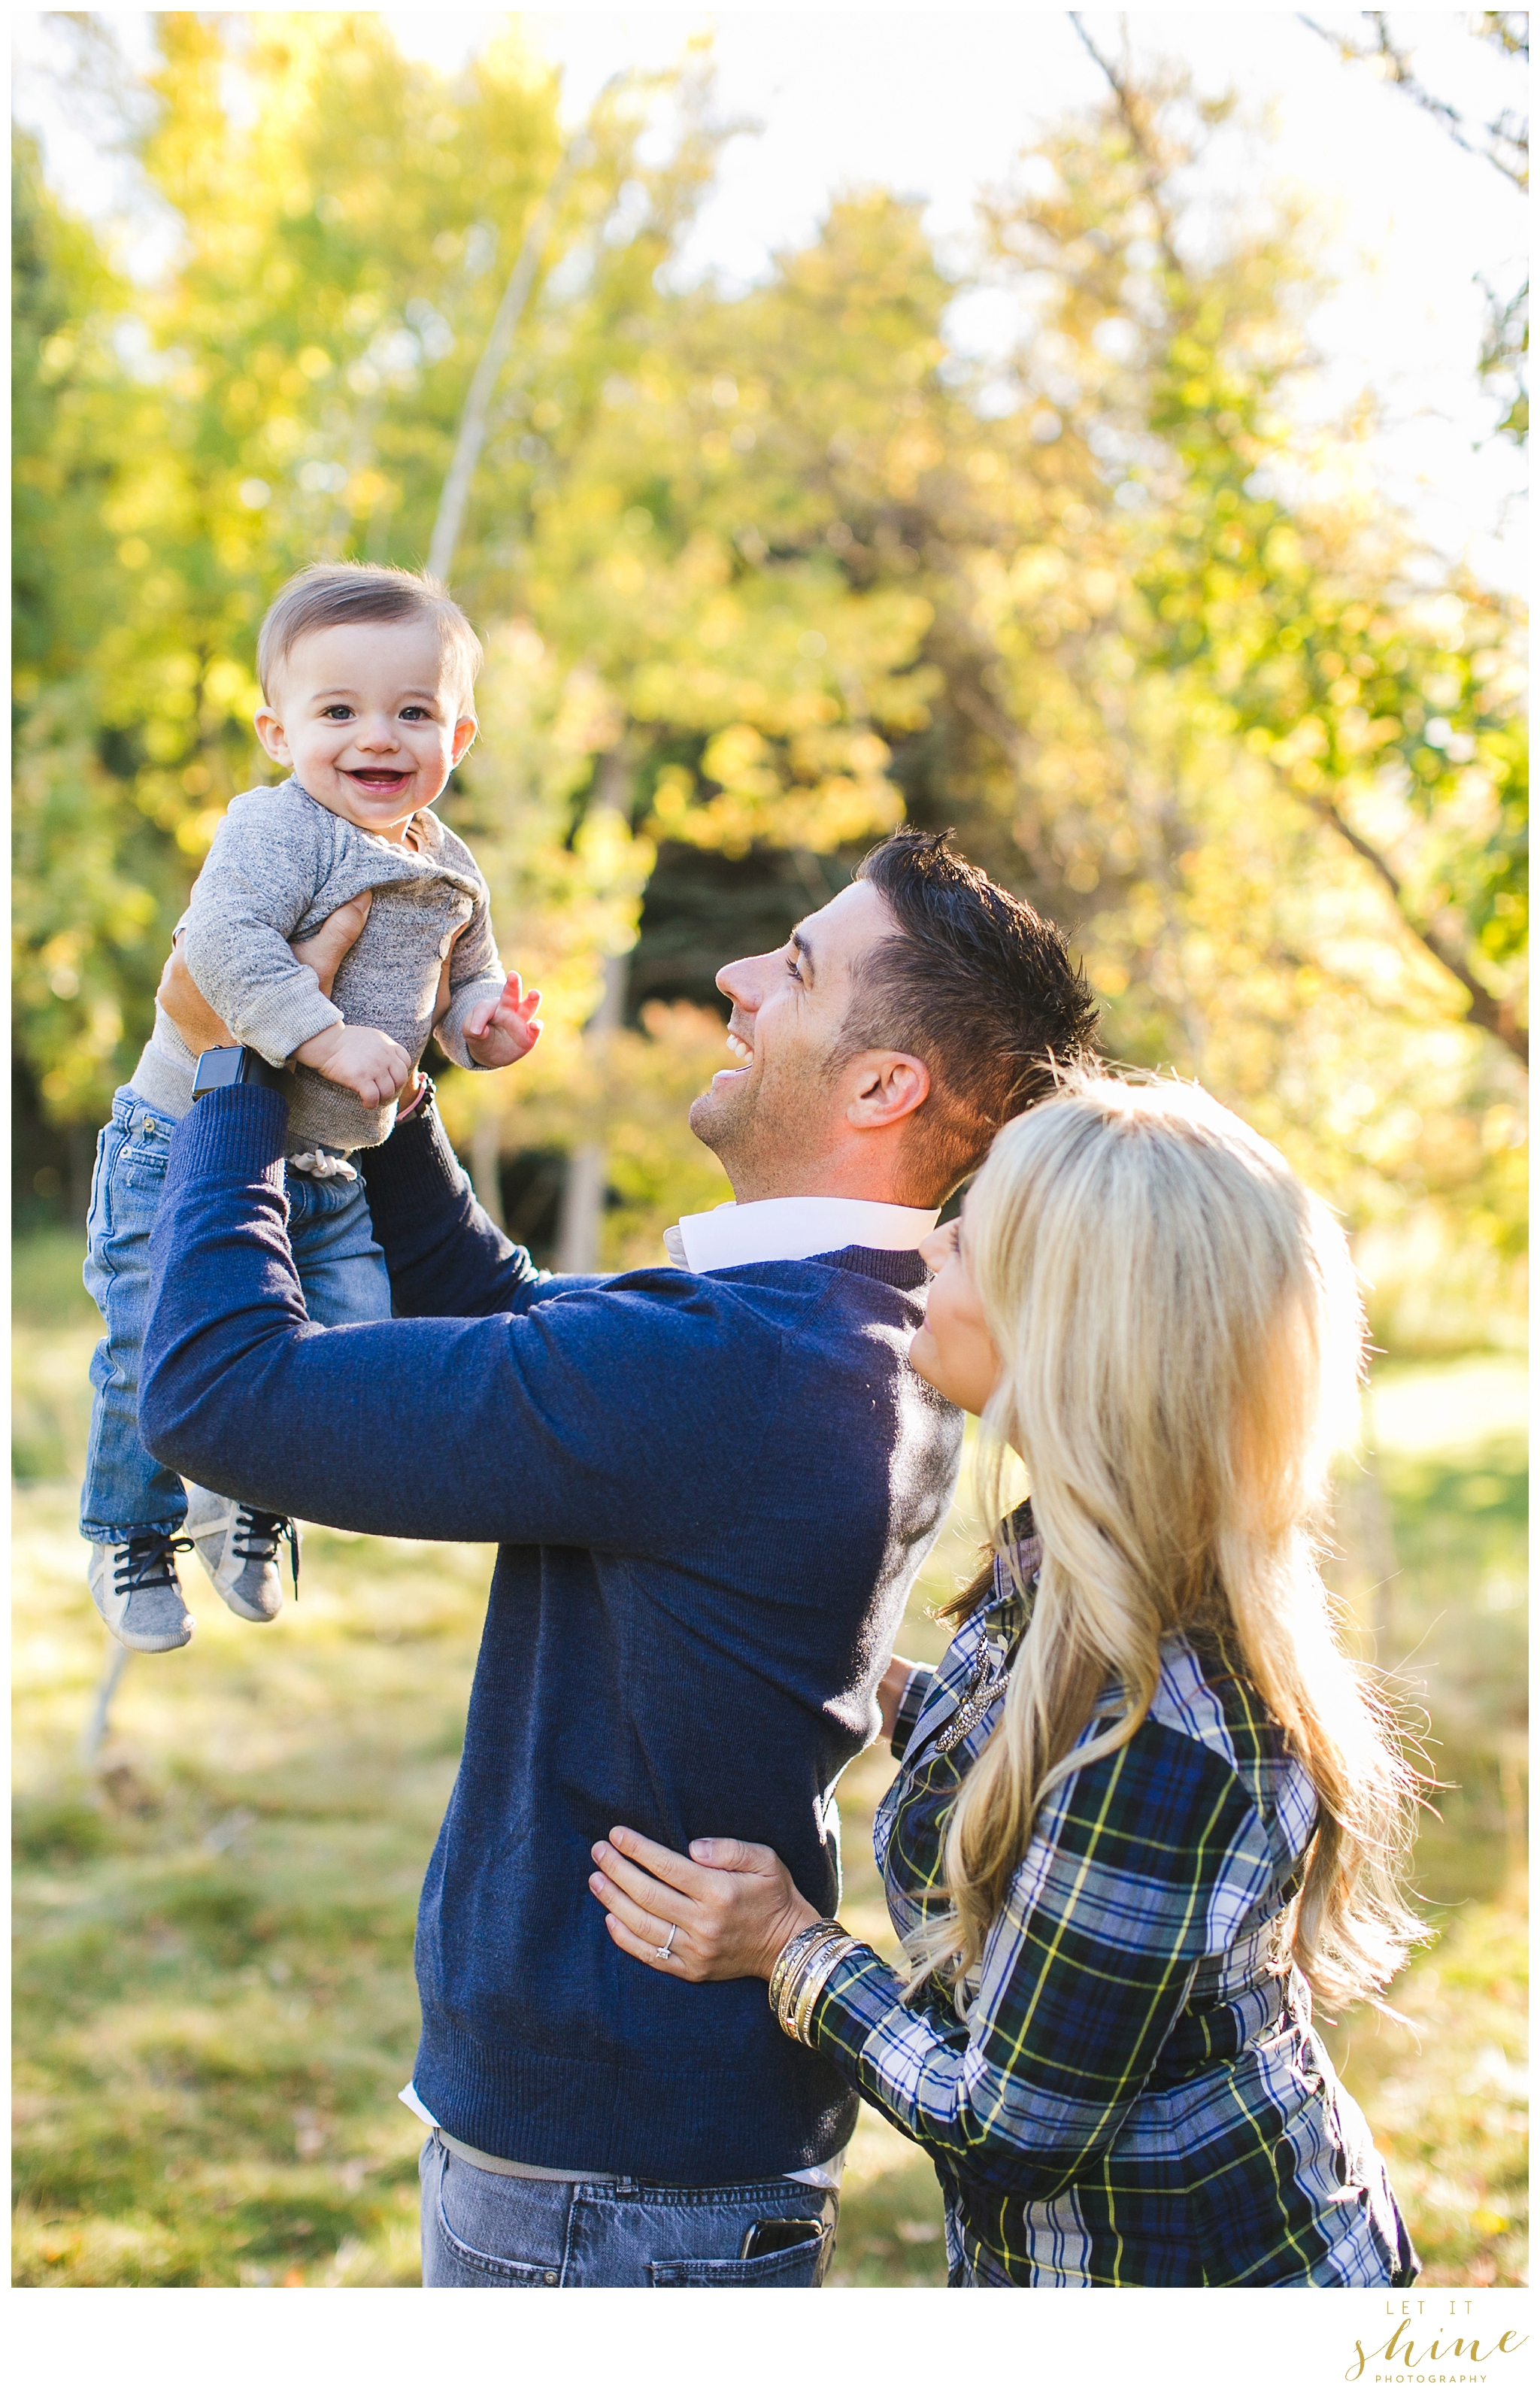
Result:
{"points": [[1135, 2097]]}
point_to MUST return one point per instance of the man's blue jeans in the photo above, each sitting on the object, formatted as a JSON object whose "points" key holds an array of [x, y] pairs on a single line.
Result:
{"points": [[341, 1270], [484, 2231]]}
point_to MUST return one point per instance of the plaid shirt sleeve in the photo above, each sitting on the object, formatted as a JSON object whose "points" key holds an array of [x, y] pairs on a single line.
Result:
{"points": [[1141, 1864]]}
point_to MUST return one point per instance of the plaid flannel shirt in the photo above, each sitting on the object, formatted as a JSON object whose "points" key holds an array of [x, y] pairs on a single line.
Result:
{"points": [[1135, 2096]]}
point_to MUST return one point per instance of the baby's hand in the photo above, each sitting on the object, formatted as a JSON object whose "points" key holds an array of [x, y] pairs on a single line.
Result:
{"points": [[368, 1062], [501, 1029]]}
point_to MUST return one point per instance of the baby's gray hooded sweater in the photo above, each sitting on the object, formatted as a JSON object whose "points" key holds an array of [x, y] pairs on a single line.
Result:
{"points": [[280, 864]]}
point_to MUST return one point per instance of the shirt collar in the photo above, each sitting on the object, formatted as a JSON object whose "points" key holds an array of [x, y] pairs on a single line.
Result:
{"points": [[789, 1229]]}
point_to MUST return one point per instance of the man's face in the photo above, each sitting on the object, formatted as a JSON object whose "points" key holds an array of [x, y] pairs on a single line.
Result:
{"points": [[779, 1109]]}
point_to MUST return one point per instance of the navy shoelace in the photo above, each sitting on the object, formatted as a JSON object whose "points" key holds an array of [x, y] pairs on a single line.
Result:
{"points": [[146, 1563], [259, 1535]]}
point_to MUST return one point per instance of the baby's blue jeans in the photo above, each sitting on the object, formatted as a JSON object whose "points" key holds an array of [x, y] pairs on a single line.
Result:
{"points": [[341, 1270]]}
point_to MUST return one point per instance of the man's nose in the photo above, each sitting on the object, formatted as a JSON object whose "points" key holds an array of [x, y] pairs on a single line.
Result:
{"points": [[737, 981]]}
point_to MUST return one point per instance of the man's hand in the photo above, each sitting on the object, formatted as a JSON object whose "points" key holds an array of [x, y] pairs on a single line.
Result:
{"points": [[195, 1019], [190, 1014], [368, 1062], [499, 1030], [340, 931], [731, 1906]]}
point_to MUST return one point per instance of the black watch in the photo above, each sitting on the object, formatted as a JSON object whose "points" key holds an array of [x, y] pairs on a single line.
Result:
{"points": [[237, 1068]]}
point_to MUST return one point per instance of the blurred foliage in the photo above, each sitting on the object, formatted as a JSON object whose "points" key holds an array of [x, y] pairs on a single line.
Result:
{"points": [[762, 573]]}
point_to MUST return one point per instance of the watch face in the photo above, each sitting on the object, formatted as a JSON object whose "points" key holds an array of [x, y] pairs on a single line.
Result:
{"points": [[219, 1067]]}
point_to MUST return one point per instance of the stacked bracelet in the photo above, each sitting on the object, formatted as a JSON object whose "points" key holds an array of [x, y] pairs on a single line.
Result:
{"points": [[802, 1971], [789, 1962]]}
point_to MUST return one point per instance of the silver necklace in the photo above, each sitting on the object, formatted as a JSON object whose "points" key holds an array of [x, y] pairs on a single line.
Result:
{"points": [[987, 1683]]}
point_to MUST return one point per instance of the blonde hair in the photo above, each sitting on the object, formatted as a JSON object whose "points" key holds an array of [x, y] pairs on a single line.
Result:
{"points": [[1181, 1339], [320, 595]]}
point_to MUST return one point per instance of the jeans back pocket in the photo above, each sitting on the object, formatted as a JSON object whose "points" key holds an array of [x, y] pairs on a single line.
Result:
{"points": [[803, 2265]]}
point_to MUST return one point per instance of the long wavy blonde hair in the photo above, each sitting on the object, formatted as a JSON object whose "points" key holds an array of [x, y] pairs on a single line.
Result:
{"points": [[1181, 1339]]}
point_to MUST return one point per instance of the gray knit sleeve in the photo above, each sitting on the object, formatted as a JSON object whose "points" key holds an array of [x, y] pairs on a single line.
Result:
{"points": [[258, 880], [475, 973]]}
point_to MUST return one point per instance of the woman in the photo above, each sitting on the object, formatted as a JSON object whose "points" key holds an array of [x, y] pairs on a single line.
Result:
{"points": [[1147, 1805]]}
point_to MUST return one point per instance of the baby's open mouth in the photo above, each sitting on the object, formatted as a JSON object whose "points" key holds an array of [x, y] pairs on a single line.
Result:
{"points": [[382, 779]]}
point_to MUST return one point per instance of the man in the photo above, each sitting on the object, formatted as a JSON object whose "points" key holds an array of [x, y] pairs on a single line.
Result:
{"points": [[711, 1488]]}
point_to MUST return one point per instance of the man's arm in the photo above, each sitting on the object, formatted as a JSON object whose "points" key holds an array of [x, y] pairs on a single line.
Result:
{"points": [[619, 1418], [445, 1255]]}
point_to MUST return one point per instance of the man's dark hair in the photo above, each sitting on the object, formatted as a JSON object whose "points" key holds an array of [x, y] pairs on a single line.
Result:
{"points": [[978, 987]]}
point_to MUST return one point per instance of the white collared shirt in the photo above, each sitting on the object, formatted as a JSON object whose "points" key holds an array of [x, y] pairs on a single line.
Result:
{"points": [[789, 1229]]}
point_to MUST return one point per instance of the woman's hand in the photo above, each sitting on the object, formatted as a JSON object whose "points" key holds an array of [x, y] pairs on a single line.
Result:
{"points": [[890, 1693], [195, 1019], [731, 1906]]}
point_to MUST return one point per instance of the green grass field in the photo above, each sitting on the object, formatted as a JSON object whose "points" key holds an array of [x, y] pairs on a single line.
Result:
{"points": [[213, 2003]]}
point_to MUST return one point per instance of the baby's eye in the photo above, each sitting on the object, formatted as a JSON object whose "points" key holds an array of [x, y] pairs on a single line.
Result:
{"points": [[337, 713], [415, 715]]}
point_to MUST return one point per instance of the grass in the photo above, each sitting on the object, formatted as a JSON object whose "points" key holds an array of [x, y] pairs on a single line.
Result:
{"points": [[213, 2003]]}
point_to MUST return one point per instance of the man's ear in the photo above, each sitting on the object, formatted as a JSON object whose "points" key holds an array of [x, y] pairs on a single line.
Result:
{"points": [[274, 739], [464, 732], [887, 1087]]}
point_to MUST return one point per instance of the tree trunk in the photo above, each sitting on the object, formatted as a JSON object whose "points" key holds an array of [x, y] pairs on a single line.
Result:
{"points": [[473, 421], [583, 1195]]}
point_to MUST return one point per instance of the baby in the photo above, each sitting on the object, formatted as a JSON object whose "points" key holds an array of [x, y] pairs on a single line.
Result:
{"points": [[367, 676]]}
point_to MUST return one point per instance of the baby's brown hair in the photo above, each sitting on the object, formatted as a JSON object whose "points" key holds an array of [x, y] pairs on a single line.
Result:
{"points": [[320, 596]]}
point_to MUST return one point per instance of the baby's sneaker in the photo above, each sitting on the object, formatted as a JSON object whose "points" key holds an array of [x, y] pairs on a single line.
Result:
{"points": [[238, 1547], [136, 1588]]}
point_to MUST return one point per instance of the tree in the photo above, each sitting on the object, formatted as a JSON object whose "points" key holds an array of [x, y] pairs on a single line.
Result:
{"points": [[1503, 141], [289, 388], [761, 572]]}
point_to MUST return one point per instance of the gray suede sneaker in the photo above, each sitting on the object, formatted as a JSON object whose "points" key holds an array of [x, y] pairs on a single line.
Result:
{"points": [[136, 1588], [238, 1547]]}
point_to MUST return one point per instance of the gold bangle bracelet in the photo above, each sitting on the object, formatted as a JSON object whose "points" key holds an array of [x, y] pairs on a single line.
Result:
{"points": [[787, 1991], [814, 1977], [789, 1964]]}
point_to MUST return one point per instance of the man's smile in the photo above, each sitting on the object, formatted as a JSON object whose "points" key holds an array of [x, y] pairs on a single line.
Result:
{"points": [[736, 1046]]}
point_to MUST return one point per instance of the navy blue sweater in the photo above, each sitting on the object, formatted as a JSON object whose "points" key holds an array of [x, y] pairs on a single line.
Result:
{"points": [[709, 1493]]}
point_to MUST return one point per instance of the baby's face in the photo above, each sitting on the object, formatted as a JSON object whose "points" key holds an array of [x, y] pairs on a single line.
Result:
{"points": [[364, 717]]}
